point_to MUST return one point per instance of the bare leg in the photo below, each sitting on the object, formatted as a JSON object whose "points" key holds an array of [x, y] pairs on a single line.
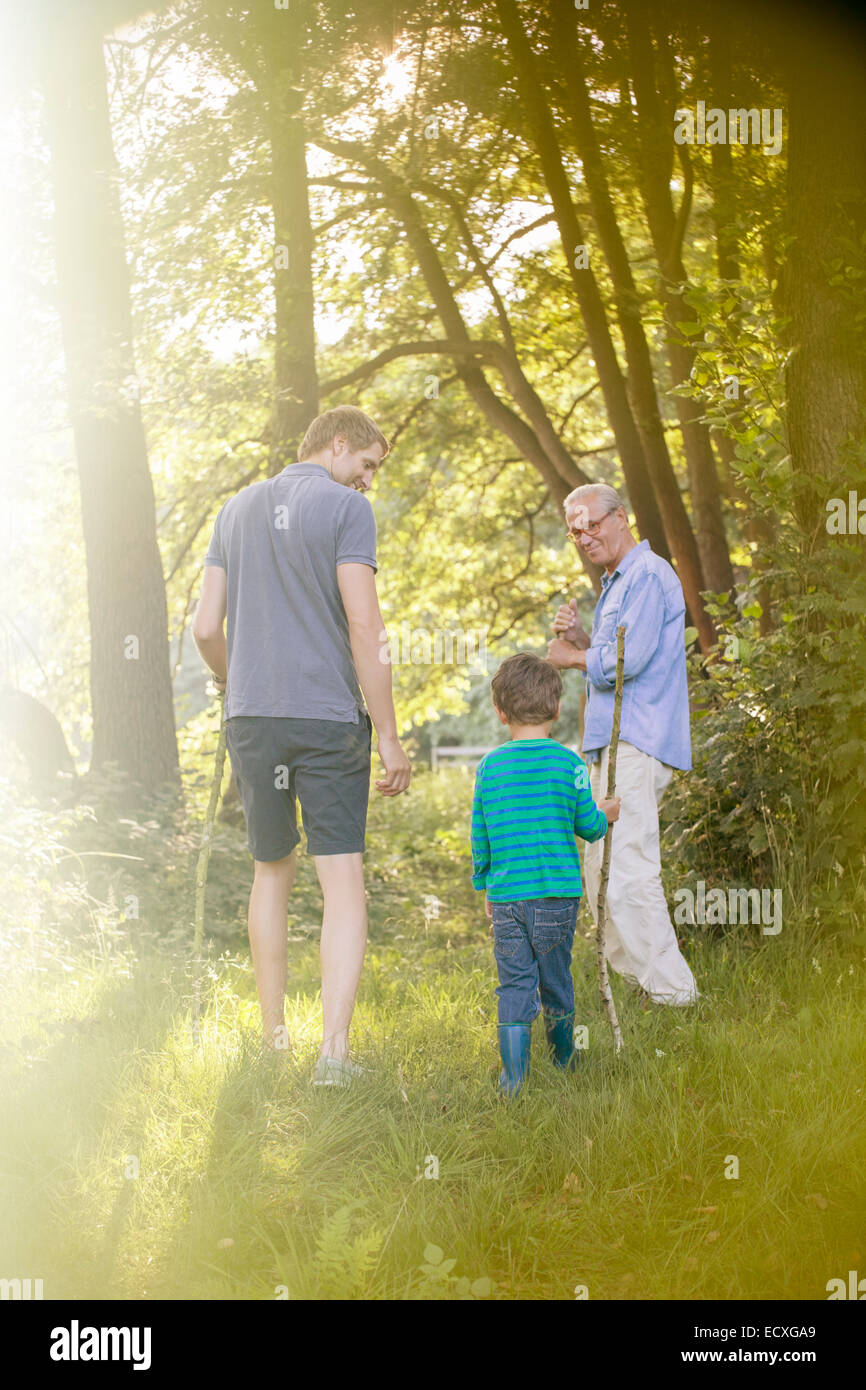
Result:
{"points": [[344, 939], [269, 901]]}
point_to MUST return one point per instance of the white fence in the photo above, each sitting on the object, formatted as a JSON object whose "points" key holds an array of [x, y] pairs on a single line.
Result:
{"points": [[458, 752], [466, 753]]}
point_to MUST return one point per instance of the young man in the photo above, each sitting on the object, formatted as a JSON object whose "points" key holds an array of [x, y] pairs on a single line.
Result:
{"points": [[641, 591], [292, 565]]}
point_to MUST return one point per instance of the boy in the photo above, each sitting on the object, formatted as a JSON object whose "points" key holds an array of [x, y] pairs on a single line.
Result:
{"points": [[531, 797]]}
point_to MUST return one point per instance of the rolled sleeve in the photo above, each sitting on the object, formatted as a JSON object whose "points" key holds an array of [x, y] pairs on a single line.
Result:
{"points": [[646, 598], [595, 657], [642, 615]]}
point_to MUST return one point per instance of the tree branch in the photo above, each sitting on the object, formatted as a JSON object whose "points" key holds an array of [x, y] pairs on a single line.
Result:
{"points": [[445, 346]]}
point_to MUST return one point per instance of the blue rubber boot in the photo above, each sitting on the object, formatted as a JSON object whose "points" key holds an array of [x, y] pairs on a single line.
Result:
{"points": [[514, 1047], [560, 1040]]}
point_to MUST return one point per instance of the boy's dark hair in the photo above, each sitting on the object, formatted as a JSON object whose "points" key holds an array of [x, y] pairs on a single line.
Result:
{"points": [[527, 689]]}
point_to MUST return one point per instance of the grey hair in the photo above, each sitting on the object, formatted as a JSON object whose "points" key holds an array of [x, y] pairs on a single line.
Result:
{"points": [[608, 496]]}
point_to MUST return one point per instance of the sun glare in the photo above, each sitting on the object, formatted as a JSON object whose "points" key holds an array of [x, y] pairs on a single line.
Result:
{"points": [[396, 78]]}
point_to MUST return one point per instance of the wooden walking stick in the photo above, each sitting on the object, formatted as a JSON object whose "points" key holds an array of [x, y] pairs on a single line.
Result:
{"points": [[603, 981], [202, 865]]}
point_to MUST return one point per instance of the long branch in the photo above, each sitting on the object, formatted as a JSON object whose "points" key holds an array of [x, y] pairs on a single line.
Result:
{"points": [[601, 959]]}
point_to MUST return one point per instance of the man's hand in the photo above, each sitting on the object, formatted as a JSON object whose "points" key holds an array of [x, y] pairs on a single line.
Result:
{"points": [[218, 684], [609, 806], [487, 908], [567, 625], [398, 769], [564, 655]]}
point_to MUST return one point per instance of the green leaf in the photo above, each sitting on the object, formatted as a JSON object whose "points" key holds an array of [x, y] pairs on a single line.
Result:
{"points": [[483, 1287], [691, 634], [433, 1255]]}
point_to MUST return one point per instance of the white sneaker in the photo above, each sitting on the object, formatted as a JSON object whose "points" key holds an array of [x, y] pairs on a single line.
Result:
{"points": [[330, 1071]]}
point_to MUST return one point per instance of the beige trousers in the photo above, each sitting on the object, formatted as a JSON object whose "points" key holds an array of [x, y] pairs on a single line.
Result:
{"points": [[640, 941]]}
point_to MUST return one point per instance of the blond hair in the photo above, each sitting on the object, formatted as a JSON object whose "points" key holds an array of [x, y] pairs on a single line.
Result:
{"points": [[360, 431]]}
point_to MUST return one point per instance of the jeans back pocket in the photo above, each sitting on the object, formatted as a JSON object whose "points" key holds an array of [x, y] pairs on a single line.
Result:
{"points": [[552, 926], [508, 935]]}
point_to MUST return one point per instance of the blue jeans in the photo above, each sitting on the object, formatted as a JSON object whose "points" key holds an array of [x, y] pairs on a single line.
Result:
{"points": [[532, 942]]}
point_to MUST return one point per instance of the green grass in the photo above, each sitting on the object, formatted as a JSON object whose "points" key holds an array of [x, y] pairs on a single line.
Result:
{"points": [[250, 1181]]}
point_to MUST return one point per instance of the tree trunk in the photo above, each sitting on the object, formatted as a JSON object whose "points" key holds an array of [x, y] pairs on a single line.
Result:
{"points": [[537, 450], [589, 299], [660, 513], [758, 527], [724, 198], [655, 145], [565, 53], [131, 696], [296, 382], [826, 375], [537, 439], [272, 46]]}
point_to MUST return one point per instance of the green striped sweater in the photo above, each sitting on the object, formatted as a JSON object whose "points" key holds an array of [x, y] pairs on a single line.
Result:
{"points": [[531, 798]]}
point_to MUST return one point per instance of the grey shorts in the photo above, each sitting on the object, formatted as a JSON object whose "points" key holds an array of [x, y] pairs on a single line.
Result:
{"points": [[322, 762]]}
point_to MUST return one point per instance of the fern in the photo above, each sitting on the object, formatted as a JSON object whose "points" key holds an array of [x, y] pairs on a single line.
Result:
{"points": [[343, 1264]]}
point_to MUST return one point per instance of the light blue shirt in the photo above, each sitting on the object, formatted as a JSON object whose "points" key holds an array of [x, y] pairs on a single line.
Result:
{"points": [[644, 594]]}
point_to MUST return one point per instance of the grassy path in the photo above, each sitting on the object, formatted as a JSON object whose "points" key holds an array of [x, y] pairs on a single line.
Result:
{"points": [[137, 1165]]}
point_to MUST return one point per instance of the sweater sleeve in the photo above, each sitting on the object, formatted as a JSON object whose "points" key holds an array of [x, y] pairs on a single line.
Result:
{"points": [[479, 838], [589, 822]]}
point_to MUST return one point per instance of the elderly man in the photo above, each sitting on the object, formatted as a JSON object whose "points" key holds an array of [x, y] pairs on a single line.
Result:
{"points": [[641, 591]]}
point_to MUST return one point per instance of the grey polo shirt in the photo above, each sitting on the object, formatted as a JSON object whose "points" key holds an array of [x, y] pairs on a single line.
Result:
{"points": [[280, 542]]}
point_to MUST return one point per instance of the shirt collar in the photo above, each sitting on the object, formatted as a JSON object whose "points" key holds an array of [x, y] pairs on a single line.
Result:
{"points": [[627, 559], [307, 468]]}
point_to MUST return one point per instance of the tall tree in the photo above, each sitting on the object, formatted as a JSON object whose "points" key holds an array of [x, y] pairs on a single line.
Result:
{"points": [[826, 376], [582, 277], [656, 499], [273, 48], [131, 698], [650, 74], [296, 379], [566, 56], [535, 435], [719, 53]]}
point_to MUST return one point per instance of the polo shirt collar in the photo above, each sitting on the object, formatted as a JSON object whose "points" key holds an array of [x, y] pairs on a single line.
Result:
{"points": [[307, 469]]}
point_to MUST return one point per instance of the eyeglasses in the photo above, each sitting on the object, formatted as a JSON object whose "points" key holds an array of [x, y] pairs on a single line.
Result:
{"points": [[591, 528]]}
